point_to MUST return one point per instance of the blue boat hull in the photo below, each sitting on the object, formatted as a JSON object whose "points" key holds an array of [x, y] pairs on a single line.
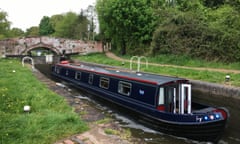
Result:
{"points": [[209, 132]]}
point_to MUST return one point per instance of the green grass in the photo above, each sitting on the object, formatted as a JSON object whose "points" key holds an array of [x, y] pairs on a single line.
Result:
{"points": [[209, 76], [187, 61], [50, 119], [98, 58]]}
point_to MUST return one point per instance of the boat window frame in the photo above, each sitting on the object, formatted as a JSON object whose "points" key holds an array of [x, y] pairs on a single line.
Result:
{"points": [[78, 75], [161, 97], [57, 70], [90, 78], [185, 98], [67, 72], [104, 82], [124, 88]]}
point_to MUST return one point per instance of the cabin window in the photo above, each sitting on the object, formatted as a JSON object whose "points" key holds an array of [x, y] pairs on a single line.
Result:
{"points": [[104, 83], [78, 75], [90, 79], [57, 70], [161, 96], [124, 88], [67, 72]]}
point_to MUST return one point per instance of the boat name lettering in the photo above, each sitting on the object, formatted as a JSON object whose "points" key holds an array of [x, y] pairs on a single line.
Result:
{"points": [[141, 92], [198, 119]]}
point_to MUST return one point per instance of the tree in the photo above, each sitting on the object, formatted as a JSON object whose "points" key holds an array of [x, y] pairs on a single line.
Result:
{"points": [[45, 26], [197, 31], [55, 19], [16, 32], [66, 27], [201, 28], [81, 29], [127, 23], [4, 25], [72, 26], [32, 31], [103, 10], [91, 15]]}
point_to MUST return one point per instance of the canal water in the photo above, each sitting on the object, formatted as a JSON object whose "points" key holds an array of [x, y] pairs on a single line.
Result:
{"points": [[149, 136]]}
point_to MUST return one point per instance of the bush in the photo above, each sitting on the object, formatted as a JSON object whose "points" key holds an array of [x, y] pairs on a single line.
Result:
{"points": [[212, 37]]}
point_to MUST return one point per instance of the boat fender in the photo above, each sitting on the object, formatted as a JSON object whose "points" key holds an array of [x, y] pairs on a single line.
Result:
{"points": [[223, 111]]}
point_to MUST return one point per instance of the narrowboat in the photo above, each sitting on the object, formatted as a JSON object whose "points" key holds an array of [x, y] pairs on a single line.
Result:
{"points": [[165, 101]]}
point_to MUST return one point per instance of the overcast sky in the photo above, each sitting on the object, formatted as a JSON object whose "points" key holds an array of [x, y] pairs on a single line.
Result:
{"points": [[24, 14]]}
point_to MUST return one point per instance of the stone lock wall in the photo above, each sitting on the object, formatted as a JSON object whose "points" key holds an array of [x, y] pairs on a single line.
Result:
{"points": [[216, 89]]}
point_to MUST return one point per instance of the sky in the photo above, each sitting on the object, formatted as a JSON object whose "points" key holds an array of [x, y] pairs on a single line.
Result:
{"points": [[24, 14]]}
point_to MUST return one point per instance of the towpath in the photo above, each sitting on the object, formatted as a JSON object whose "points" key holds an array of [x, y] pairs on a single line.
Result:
{"points": [[113, 56], [96, 134]]}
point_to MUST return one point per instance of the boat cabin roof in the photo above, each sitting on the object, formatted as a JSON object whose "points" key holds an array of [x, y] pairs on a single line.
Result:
{"points": [[127, 74]]}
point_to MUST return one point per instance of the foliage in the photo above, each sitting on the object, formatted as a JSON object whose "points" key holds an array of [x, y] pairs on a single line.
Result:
{"points": [[126, 23], [91, 14], [204, 29], [194, 30], [16, 32], [4, 25], [68, 25], [5, 30], [65, 28], [32, 31], [81, 28], [50, 118], [182, 33], [55, 19], [45, 26], [72, 26]]}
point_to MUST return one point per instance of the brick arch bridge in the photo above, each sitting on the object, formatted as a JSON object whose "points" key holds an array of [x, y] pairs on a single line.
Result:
{"points": [[20, 46]]}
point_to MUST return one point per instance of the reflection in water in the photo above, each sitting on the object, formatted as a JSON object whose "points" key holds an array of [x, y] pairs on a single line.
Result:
{"points": [[149, 136]]}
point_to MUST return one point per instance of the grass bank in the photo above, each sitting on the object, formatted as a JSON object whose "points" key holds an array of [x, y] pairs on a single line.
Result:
{"points": [[208, 76], [190, 62], [50, 119]]}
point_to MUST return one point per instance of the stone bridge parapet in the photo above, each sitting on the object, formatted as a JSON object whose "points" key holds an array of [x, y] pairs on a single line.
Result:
{"points": [[20, 46]]}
